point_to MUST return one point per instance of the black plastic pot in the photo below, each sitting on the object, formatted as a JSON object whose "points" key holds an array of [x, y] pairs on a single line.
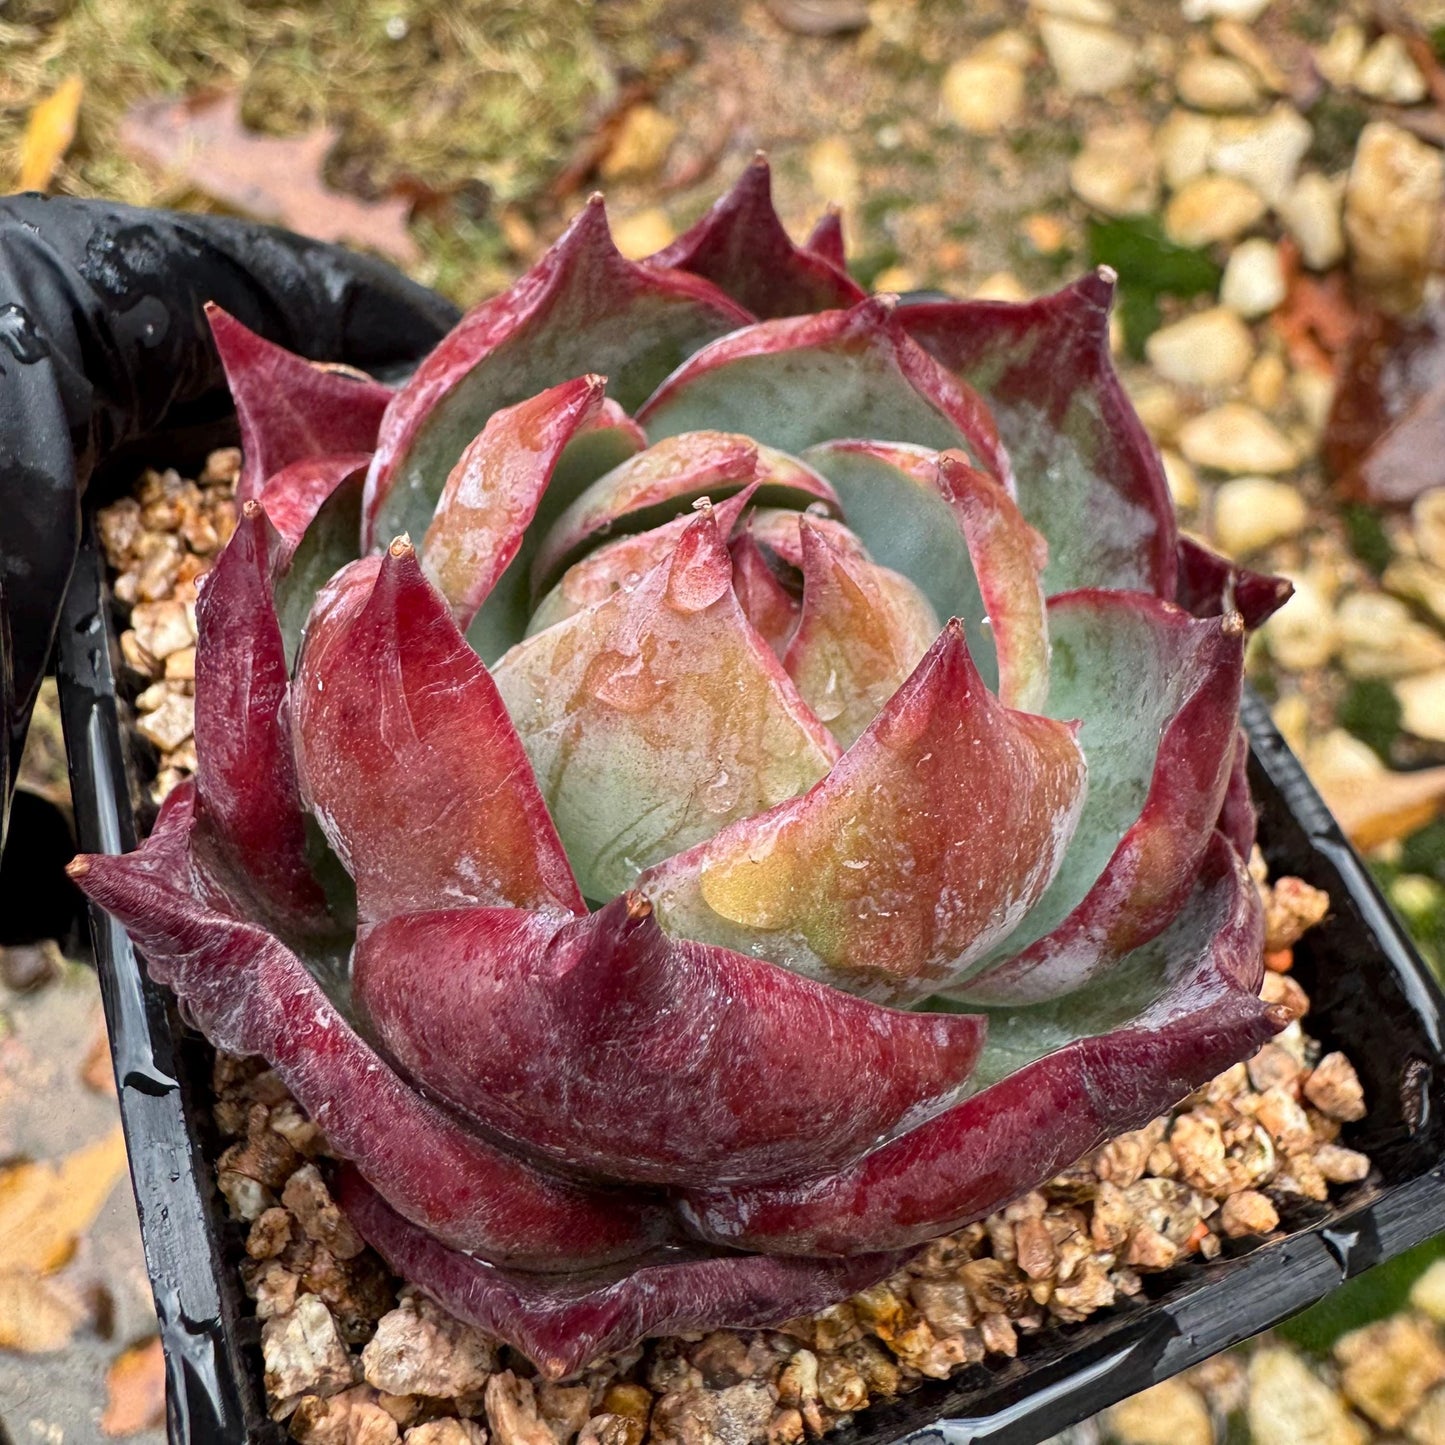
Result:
{"points": [[1372, 997]]}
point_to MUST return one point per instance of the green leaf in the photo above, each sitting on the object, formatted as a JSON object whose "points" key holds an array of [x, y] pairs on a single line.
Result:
{"points": [[1148, 261], [1374, 1295], [1371, 712]]}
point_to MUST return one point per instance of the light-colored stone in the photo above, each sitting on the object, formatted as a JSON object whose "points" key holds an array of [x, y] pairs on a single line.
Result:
{"points": [[169, 725], [1289, 1404], [1422, 705], [1117, 171], [420, 1349], [1381, 638], [1339, 57], [1096, 12], [1246, 10], [1392, 212], [1302, 635], [833, 171], [1265, 153], [1310, 212], [1236, 438], [1184, 143], [1427, 1424], [1183, 485], [1267, 382], [1157, 406], [1387, 73], [983, 94], [644, 137], [1314, 394], [1001, 286], [1427, 1294], [1210, 349], [1417, 580], [1171, 1413], [1216, 83], [643, 232], [1427, 525], [303, 1352], [1088, 59], [1389, 1366], [1253, 282], [1250, 513], [1212, 208], [162, 627]]}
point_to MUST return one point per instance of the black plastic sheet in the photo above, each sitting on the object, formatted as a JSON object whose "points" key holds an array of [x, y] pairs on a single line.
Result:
{"points": [[104, 350]]}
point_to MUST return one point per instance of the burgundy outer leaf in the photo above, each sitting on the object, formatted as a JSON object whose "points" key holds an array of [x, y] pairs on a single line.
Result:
{"points": [[740, 246], [408, 758], [562, 1325], [1038, 1119], [246, 775], [1238, 817], [802, 380], [766, 603], [1210, 585], [493, 491], [665, 479], [294, 495], [826, 239], [289, 408], [922, 848], [1150, 871], [251, 995], [1088, 476], [623, 562], [582, 307], [565, 1037]]}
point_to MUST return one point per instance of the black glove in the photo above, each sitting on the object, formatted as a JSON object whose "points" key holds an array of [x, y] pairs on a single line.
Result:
{"points": [[104, 350]]}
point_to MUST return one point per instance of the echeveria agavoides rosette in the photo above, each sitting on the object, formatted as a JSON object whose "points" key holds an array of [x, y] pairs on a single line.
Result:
{"points": [[716, 781]]}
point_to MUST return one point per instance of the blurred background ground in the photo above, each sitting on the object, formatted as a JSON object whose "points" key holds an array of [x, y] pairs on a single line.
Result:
{"points": [[1267, 177]]}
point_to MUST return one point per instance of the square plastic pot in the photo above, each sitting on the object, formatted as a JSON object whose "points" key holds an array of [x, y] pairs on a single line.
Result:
{"points": [[1372, 996]]}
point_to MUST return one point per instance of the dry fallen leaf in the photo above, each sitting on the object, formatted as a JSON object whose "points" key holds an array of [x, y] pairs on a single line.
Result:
{"points": [[1372, 804], [96, 1072], [135, 1390], [270, 178], [34, 1317], [48, 134], [46, 1207]]}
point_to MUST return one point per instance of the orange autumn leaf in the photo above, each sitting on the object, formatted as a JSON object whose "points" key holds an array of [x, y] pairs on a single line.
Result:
{"points": [[48, 134], [135, 1388], [201, 140], [46, 1207]]}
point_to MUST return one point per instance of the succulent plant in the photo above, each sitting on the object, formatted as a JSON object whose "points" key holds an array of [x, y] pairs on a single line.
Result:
{"points": [[710, 785]]}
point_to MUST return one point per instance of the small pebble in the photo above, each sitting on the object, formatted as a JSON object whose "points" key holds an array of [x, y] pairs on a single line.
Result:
{"points": [[1310, 212], [1184, 143], [1216, 83], [1339, 57], [1183, 485], [1253, 282], [1170, 1413], [171, 723], [1302, 635], [643, 232], [1089, 59], [1428, 1292], [1117, 172], [1247, 1213], [1389, 1366], [640, 145], [1246, 10], [1264, 153], [983, 93], [1427, 524], [1289, 1404], [1392, 207], [1387, 73], [1422, 705], [1381, 638], [1211, 349], [1237, 438], [1212, 208]]}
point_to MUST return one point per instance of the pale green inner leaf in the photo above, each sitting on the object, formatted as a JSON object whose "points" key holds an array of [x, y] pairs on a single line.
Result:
{"points": [[795, 399], [910, 528], [332, 540]]}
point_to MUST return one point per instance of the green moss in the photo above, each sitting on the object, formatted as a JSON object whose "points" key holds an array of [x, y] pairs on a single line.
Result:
{"points": [[1367, 537], [1371, 712], [1337, 122]]}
